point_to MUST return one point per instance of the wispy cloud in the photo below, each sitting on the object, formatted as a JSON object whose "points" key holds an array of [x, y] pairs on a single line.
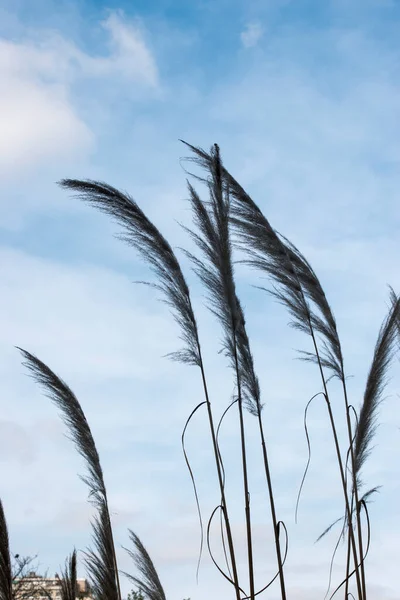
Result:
{"points": [[251, 34], [38, 76], [130, 55]]}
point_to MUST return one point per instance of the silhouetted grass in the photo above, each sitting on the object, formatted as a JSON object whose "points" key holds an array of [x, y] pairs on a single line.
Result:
{"points": [[228, 219]]}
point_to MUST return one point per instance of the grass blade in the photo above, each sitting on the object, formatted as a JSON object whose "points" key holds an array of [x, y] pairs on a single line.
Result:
{"points": [[6, 591]]}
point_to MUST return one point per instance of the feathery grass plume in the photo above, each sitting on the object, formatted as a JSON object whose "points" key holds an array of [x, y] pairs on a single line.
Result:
{"points": [[377, 378], [148, 581], [103, 566], [6, 591], [217, 276], [74, 418], [289, 269], [154, 248], [68, 578], [216, 273], [298, 288], [142, 234], [366, 422], [393, 298]]}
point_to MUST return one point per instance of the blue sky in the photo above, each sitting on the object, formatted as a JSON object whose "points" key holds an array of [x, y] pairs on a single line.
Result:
{"points": [[303, 98]]}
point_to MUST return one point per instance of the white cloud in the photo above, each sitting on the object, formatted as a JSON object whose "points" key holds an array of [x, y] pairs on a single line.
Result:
{"points": [[38, 123], [50, 283], [40, 119], [130, 55], [251, 35]]}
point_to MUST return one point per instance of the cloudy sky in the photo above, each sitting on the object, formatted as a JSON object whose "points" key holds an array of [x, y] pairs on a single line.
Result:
{"points": [[303, 97]]}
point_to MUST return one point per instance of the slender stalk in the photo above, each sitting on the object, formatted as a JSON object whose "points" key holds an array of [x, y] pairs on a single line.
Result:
{"points": [[220, 480], [361, 546], [340, 463], [216, 273], [244, 465], [355, 489], [351, 531], [348, 556], [346, 589], [113, 550], [335, 436], [272, 504]]}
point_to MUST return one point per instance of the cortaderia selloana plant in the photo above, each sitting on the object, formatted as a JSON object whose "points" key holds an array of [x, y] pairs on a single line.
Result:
{"points": [[228, 221], [101, 561]]}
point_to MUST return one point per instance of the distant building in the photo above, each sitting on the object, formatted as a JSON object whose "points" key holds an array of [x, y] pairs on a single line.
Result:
{"points": [[36, 587]]}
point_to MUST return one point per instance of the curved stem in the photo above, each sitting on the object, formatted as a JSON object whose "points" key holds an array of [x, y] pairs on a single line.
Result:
{"points": [[273, 511], [340, 463], [220, 480], [113, 551], [245, 476], [355, 487], [210, 551], [335, 436], [348, 558]]}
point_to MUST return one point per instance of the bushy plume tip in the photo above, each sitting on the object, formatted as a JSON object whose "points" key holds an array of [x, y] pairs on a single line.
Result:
{"points": [[68, 579], [148, 580], [101, 563], [296, 284], [215, 270], [377, 377], [142, 234], [73, 416]]}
